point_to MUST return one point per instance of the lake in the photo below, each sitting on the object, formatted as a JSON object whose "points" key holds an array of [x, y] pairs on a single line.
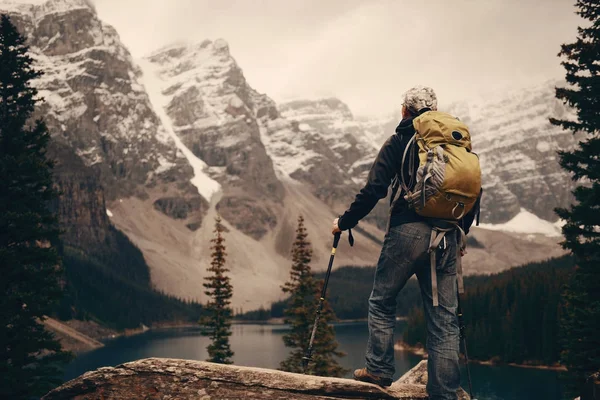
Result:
{"points": [[259, 345]]}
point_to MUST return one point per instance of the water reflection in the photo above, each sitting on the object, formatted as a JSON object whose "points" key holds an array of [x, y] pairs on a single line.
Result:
{"points": [[262, 346]]}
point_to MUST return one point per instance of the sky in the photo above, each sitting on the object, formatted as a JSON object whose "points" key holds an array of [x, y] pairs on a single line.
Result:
{"points": [[365, 52]]}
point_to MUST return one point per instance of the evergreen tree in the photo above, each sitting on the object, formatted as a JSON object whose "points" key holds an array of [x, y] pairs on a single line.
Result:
{"points": [[219, 313], [30, 356], [580, 324], [300, 314]]}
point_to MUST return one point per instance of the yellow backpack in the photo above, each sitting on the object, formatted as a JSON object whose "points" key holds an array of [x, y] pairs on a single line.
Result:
{"points": [[448, 180], [446, 184]]}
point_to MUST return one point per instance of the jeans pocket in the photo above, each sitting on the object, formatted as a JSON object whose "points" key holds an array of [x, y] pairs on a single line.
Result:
{"points": [[404, 245], [446, 261]]}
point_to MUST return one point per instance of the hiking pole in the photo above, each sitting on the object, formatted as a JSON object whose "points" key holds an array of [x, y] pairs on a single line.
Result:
{"points": [[461, 327], [308, 355]]}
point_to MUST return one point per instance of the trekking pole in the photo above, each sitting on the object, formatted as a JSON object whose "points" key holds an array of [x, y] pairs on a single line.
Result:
{"points": [[307, 357], [461, 327]]}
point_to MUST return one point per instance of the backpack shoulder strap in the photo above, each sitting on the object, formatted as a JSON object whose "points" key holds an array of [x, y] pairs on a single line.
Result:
{"points": [[409, 148], [395, 187], [399, 181]]}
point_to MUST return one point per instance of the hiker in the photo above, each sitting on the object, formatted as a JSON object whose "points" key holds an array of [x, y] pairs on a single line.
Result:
{"points": [[408, 239]]}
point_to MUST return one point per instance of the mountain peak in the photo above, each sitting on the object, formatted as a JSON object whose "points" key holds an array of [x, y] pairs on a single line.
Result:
{"points": [[41, 8], [183, 48], [221, 45]]}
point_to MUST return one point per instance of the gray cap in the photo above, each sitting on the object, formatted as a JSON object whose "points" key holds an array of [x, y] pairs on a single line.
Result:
{"points": [[420, 97]]}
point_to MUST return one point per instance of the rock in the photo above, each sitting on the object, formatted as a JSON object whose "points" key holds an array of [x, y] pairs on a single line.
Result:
{"points": [[180, 208], [81, 206], [342, 153], [160, 378], [418, 376], [253, 218]]}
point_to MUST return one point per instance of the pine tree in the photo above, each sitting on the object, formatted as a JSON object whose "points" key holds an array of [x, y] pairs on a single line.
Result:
{"points": [[218, 309], [580, 322], [30, 356], [300, 315]]}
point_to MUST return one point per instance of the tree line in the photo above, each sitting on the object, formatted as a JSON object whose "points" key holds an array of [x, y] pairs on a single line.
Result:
{"points": [[348, 291], [95, 290], [510, 317]]}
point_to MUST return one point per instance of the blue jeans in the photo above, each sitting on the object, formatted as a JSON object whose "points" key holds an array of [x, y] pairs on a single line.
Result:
{"points": [[404, 253]]}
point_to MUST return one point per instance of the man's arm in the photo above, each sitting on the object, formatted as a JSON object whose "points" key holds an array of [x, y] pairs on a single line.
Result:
{"points": [[382, 172]]}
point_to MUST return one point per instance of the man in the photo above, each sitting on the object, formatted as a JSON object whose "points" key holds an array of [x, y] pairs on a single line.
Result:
{"points": [[404, 253]]}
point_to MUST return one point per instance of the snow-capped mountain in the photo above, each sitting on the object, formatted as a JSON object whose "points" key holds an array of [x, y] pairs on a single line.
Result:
{"points": [[170, 140], [517, 146], [251, 152], [173, 139]]}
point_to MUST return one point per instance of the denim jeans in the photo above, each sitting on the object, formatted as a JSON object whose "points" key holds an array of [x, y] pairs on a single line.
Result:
{"points": [[404, 253]]}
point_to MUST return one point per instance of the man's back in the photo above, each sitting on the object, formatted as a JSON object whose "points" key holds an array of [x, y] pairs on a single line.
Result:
{"points": [[411, 246]]}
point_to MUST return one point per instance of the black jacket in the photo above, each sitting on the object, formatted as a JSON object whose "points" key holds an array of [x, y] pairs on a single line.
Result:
{"points": [[386, 166]]}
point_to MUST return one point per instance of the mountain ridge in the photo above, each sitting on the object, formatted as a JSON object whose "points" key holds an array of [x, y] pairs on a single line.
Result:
{"points": [[182, 136]]}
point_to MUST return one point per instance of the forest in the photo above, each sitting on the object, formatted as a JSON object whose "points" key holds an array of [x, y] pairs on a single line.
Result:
{"points": [[114, 289], [512, 316]]}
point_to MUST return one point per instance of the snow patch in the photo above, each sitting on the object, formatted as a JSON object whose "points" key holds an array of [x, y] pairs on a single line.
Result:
{"points": [[300, 162], [526, 222], [164, 165], [221, 44], [236, 102], [559, 224], [207, 187], [109, 213], [304, 127], [543, 147]]}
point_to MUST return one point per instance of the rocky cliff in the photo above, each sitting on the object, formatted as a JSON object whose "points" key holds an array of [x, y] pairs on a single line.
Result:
{"points": [[209, 106], [156, 378], [95, 106], [94, 102], [81, 205]]}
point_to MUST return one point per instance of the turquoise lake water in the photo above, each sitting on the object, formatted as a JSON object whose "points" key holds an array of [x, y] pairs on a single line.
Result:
{"points": [[259, 345]]}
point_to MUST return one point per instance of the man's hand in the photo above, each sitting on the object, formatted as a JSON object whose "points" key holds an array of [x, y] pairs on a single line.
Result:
{"points": [[335, 228]]}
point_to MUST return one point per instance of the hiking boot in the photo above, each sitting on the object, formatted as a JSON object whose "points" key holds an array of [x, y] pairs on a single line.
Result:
{"points": [[364, 376]]}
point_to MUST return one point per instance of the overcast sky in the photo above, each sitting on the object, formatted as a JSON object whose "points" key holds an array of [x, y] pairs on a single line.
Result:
{"points": [[366, 52]]}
